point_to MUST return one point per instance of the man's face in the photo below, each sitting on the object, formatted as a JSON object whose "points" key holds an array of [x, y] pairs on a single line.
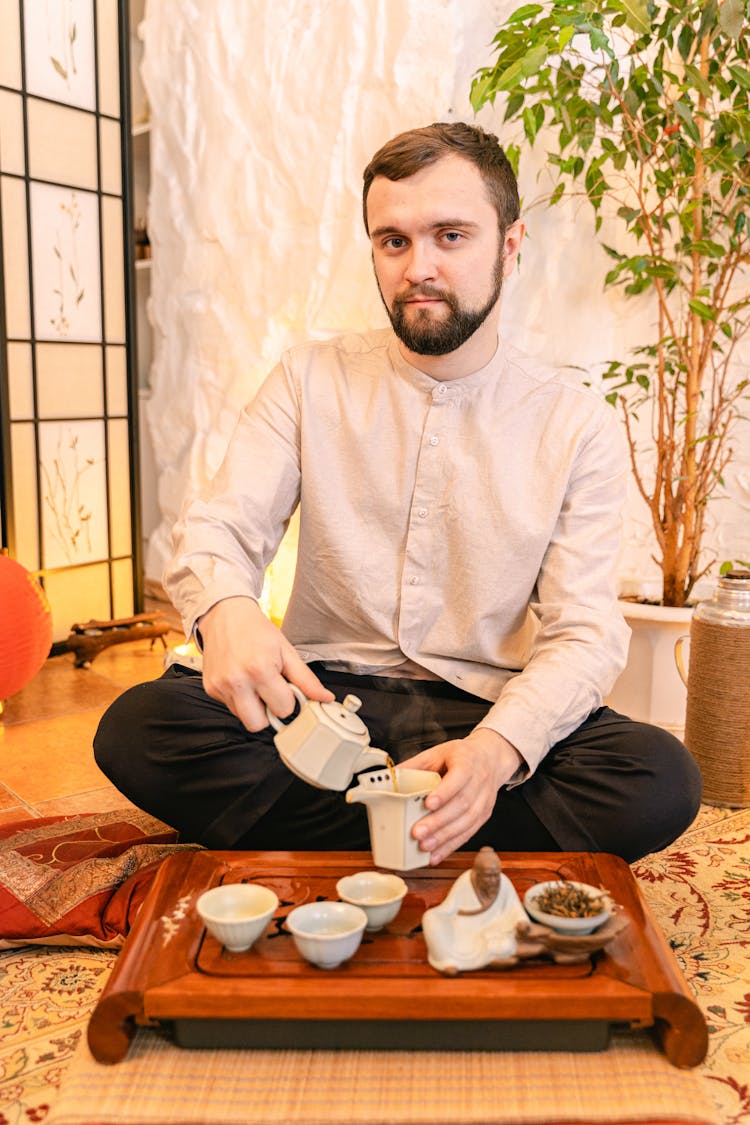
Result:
{"points": [[439, 260]]}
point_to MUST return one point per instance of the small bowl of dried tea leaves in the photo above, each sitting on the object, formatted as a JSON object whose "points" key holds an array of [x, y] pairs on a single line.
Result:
{"points": [[568, 907]]}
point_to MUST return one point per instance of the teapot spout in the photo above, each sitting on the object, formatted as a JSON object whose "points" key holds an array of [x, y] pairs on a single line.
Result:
{"points": [[370, 757]]}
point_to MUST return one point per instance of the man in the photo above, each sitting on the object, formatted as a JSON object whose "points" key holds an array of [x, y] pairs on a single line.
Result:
{"points": [[459, 527]]}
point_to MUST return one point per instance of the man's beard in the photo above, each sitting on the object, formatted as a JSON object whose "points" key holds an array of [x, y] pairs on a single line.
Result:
{"points": [[428, 335]]}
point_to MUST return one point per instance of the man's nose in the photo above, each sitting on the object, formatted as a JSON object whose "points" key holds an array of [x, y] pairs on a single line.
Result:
{"points": [[420, 265]]}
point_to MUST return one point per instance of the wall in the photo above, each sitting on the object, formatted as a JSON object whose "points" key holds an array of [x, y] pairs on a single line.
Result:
{"points": [[264, 115]]}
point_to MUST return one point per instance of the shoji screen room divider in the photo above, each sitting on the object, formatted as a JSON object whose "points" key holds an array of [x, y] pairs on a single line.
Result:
{"points": [[69, 505]]}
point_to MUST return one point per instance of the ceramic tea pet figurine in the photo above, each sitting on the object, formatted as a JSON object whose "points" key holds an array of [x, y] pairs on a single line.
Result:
{"points": [[482, 924], [327, 743], [475, 924]]}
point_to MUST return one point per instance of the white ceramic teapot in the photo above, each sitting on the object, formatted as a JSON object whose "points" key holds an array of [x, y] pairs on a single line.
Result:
{"points": [[327, 743]]}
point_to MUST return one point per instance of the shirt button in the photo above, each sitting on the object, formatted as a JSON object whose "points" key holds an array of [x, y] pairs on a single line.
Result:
{"points": [[422, 513], [413, 580], [434, 440], [442, 389]]}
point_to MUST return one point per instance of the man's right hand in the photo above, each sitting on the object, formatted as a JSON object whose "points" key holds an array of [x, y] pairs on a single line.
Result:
{"points": [[248, 663]]}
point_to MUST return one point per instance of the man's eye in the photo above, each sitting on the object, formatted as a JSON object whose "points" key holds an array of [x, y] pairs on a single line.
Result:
{"points": [[452, 236], [395, 243]]}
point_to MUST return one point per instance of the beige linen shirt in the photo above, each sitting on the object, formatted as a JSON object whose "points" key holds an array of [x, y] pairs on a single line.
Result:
{"points": [[471, 526]]}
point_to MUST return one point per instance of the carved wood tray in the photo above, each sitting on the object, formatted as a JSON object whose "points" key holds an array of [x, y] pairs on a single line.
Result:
{"points": [[172, 973]]}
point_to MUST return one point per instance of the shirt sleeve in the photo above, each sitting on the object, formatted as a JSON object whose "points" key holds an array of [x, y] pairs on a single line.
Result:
{"points": [[228, 534], [581, 644]]}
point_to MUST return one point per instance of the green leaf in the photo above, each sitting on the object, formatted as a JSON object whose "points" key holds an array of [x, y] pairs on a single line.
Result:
{"points": [[662, 270], [708, 248], [506, 79], [565, 36], [534, 60], [697, 80], [741, 76], [732, 17], [529, 123], [599, 41], [526, 12], [685, 41], [482, 90], [704, 311], [708, 18], [513, 153], [691, 128], [636, 13], [557, 194], [515, 101]]}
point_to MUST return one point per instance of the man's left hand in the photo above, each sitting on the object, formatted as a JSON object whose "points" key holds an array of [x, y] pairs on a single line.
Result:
{"points": [[473, 770]]}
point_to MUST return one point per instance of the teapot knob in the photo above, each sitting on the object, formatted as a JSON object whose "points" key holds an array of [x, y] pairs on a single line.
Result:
{"points": [[351, 703]]}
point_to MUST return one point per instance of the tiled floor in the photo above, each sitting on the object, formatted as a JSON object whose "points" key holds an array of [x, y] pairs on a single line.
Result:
{"points": [[46, 732]]}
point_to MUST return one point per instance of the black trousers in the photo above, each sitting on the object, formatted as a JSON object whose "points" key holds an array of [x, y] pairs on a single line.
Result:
{"points": [[613, 785]]}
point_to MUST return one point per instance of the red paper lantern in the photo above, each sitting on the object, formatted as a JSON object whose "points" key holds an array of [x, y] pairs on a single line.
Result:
{"points": [[25, 627]]}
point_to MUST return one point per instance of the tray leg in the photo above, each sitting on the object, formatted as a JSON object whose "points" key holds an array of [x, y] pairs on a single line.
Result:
{"points": [[113, 1025], [681, 1028]]}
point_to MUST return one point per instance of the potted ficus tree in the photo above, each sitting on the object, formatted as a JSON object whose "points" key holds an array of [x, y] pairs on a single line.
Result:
{"points": [[643, 111]]}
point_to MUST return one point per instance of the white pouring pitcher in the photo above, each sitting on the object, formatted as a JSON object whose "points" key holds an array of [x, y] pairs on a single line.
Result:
{"points": [[327, 743], [392, 813]]}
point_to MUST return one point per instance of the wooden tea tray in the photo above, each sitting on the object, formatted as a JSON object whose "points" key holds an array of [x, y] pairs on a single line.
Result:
{"points": [[172, 973]]}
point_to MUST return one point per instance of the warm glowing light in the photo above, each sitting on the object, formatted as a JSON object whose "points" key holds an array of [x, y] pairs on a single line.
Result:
{"points": [[187, 654]]}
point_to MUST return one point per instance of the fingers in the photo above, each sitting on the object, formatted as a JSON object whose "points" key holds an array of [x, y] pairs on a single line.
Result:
{"points": [[297, 672], [249, 708], [250, 665], [441, 833], [459, 805], [425, 760], [267, 688], [274, 690]]}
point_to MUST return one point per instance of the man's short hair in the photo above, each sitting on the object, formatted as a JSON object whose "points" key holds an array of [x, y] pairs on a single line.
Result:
{"points": [[407, 153]]}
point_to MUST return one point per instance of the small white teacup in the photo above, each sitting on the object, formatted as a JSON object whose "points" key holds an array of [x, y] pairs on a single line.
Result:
{"points": [[327, 933], [237, 913], [380, 895]]}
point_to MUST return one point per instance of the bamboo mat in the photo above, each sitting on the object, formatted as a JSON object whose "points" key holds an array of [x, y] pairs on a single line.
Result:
{"points": [[160, 1084]]}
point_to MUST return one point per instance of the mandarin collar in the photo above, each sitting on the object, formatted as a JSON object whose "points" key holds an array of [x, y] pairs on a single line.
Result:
{"points": [[465, 383]]}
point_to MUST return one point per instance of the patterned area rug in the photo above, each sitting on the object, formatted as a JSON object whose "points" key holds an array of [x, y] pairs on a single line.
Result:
{"points": [[699, 889]]}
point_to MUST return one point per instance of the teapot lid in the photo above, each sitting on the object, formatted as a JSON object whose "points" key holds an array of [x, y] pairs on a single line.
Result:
{"points": [[344, 714]]}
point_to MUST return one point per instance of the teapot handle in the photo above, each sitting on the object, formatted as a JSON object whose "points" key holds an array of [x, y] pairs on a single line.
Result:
{"points": [[678, 657], [274, 720]]}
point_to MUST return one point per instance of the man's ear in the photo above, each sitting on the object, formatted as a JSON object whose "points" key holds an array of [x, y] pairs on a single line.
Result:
{"points": [[512, 245]]}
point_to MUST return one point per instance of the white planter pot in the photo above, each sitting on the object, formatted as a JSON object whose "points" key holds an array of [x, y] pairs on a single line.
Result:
{"points": [[650, 689]]}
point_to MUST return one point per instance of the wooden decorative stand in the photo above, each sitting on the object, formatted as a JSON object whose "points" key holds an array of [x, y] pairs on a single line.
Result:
{"points": [[88, 639], [171, 973]]}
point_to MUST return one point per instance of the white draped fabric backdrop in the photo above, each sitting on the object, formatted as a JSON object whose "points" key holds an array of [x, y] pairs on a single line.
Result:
{"points": [[264, 115]]}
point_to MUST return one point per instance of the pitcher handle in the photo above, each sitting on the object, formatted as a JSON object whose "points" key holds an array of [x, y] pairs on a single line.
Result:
{"points": [[678, 657], [274, 720]]}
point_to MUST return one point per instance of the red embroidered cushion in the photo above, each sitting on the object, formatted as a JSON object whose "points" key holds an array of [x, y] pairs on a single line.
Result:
{"points": [[78, 880]]}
